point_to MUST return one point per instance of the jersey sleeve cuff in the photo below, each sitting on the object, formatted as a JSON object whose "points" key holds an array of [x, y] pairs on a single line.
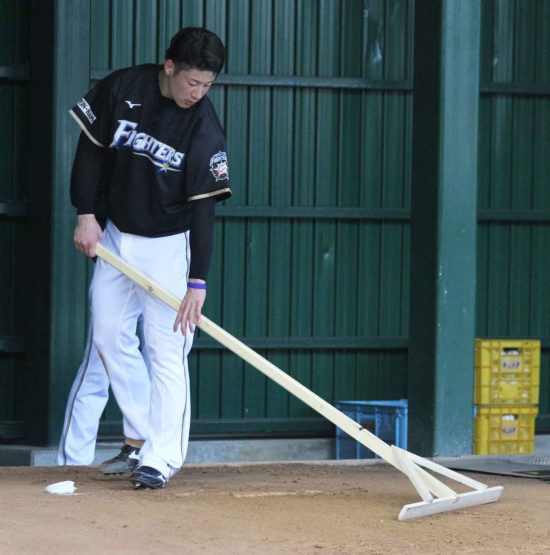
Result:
{"points": [[82, 211], [220, 194]]}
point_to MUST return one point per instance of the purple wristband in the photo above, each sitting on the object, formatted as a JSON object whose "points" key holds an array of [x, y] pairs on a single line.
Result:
{"points": [[194, 285]]}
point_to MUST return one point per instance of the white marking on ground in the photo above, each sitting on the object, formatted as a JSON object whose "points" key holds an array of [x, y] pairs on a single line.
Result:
{"points": [[277, 493]]}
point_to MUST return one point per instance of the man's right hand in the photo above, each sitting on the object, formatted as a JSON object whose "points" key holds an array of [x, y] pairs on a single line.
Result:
{"points": [[87, 234]]}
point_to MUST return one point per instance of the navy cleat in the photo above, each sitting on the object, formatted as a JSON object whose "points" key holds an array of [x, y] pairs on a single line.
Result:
{"points": [[148, 477], [126, 461]]}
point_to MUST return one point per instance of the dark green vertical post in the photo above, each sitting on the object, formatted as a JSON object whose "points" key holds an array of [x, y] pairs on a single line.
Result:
{"points": [[71, 79], [443, 225]]}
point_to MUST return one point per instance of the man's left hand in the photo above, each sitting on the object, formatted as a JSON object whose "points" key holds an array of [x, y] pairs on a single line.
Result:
{"points": [[189, 313]]}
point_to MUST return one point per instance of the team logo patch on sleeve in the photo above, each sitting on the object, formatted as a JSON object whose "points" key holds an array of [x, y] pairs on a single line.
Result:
{"points": [[86, 110], [218, 166]]}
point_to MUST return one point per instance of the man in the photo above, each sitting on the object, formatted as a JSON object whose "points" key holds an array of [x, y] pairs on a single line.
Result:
{"points": [[152, 137]]}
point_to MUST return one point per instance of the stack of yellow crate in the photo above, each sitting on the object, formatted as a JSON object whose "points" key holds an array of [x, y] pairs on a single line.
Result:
{"points": [[506, 396]]}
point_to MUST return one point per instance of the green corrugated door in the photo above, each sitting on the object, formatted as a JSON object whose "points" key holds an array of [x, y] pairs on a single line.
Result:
{"points": [[13, 208], [514, 201], [311, 260]]}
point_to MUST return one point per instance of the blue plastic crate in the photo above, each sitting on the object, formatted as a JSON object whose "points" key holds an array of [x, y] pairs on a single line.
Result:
{"points": [[385, 419]]}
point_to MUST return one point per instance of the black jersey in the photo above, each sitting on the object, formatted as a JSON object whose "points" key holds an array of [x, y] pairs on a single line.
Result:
{"points": [[159, 157]]}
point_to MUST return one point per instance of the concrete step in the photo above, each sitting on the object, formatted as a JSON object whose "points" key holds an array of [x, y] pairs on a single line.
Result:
{"points": [[215, 451], [200, 451]]}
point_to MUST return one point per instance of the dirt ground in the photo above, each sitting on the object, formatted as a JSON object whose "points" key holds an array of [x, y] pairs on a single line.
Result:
{"points": [[261, 508]]}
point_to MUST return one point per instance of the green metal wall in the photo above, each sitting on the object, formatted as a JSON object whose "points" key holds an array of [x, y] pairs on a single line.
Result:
{"points": [[311, 259], [14, 42], [312, 251], [311, 262], [514, 188]]}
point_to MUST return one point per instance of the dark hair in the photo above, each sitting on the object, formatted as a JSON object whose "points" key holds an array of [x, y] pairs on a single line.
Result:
{"points": [[197, 48]]}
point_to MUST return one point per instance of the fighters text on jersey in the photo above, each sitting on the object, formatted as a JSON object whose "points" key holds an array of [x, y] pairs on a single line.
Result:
{"points": [[162, 155]]}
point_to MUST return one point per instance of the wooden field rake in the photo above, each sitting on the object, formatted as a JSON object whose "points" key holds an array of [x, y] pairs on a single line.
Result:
{"points": [[436, 496]]}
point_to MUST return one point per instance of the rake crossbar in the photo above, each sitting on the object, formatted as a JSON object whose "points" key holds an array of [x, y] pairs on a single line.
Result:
{"points": [[436, 496]]}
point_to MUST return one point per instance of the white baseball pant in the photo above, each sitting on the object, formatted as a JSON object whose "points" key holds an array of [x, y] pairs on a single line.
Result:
{"points": [[85, 405], [117, 303]]}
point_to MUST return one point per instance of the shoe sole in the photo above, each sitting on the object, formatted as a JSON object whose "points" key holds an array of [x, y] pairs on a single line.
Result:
{"points": [[141, 484], [117, 470]]}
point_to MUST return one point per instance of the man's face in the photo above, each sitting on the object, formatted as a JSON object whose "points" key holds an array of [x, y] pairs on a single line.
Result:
{"points": [[186, 86]]}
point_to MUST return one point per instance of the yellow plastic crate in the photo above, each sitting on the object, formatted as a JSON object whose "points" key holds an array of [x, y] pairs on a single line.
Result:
{"points": [[504, 430], [507, 372]]}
